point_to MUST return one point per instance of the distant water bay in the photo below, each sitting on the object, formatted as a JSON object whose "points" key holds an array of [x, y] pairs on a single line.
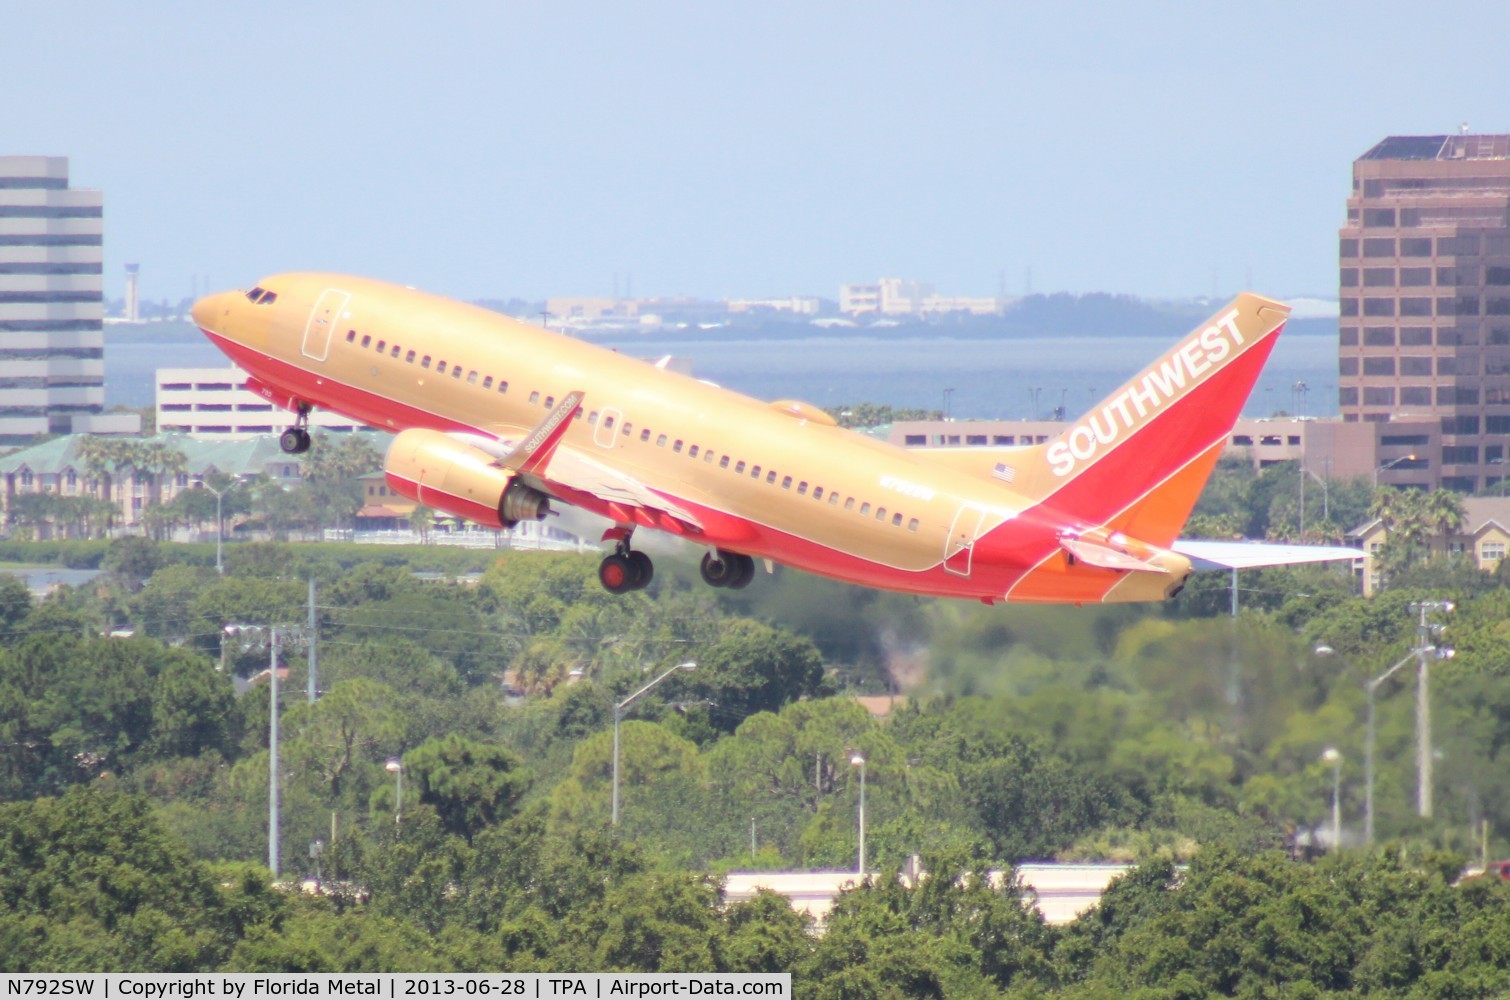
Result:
{"points": [[990, 378]]}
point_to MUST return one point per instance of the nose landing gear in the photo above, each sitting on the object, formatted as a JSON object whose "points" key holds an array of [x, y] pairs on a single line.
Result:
{"points": [[296, 440]]}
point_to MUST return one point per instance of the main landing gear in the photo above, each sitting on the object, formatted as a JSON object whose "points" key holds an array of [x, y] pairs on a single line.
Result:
{"points": [[626, 569], [295, 440], [728, 569]]}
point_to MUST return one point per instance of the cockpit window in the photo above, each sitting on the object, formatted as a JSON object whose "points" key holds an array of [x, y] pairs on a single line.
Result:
{"points": [[255, 294], [268, 298], [261, 296]]}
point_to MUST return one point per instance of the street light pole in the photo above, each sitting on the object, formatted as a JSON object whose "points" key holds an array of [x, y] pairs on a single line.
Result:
{"points": [[219, 527], [1390, 465], [619, 711], [396, 768], [858, 760], [1368, 749], [1425, 632], [1333, 756]]}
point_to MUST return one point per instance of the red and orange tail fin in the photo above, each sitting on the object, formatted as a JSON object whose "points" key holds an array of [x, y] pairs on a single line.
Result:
{"points": [[1138, 461]]}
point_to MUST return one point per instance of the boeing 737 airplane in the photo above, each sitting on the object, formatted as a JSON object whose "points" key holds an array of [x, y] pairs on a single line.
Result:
{"points": [[495, 420]]}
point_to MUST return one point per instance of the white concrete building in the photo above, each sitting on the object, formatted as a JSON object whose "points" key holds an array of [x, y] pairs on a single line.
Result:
{"points": [[52, 344], [899, 297], [214, 402], [889, 297]]}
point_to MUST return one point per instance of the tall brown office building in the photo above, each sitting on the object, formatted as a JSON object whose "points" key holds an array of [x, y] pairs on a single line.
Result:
{"points": [[1425, 303]]}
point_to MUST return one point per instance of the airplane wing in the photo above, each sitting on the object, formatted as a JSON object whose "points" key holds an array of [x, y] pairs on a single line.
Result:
{"points": [[1251, 555], [546, 464]]}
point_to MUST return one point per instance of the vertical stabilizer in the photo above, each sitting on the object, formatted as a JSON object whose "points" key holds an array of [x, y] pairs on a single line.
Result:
{"points": [[1139, 459]]}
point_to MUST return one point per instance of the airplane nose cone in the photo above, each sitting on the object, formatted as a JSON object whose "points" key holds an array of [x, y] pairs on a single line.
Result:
{"points": [[208, 310]]}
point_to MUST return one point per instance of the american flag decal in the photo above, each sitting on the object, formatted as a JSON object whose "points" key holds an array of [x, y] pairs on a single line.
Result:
{"points": [[1004, 472]]}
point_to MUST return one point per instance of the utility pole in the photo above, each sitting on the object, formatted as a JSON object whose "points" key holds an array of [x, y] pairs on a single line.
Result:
{"points": [[313, 688], [275, 638], [272, 758]]}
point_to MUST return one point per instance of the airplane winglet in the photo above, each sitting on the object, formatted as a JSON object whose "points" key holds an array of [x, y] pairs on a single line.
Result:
{"points": [[534, 453]]}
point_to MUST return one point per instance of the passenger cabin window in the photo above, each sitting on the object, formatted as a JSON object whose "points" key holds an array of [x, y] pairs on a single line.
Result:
{"points": [[456, 372], [723, 463], [880, 513], [503, 386], [550, 402], [471, 378], [660, 441], [739, 467], [382, 345], [802, 488], [628, 428], [409, 358], [440, 368], [912, 525], [692, 452], [367, 340], [608, 422], [487, 381], [896, 520], [817, 493], [754, 472], [833, 499], [351, 336], [786, 482], [396, 350], [534, 398], [645, 434], [770, 477], [425, 361], [677, 446]]}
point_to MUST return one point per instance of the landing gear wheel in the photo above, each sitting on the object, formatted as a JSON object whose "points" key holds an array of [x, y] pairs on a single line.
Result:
{"points": [[744, 572], [716, 570], [644, 569], [294, 441], [727, 569], [617, 574]]}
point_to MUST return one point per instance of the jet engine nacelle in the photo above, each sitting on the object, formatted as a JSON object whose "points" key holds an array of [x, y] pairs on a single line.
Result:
{"points": [[438, 471]]}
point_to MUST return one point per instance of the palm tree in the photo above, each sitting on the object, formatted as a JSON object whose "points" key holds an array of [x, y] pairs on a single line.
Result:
{"points": [[102, 457], [159, 458], [1443, 510], [422, 519]]}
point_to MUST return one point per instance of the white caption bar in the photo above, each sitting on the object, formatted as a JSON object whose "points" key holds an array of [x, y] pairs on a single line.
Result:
{"points": [[392, 986]]}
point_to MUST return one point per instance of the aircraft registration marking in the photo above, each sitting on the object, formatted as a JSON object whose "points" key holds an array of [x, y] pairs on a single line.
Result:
{"points": [[906, 488]]}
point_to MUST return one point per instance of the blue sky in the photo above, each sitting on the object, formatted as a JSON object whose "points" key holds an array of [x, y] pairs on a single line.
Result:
{"points": [[494, 149]]}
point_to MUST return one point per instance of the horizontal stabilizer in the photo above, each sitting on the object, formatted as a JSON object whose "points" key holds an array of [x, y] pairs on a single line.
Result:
{"points": [[1251, 555], [1106, 557]]}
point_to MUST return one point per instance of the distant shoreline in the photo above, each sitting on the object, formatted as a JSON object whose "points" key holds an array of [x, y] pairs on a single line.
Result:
{"points": [[979, 329]]}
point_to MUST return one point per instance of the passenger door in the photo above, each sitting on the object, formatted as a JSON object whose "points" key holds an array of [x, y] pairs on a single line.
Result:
{"points": [[323, 319]]}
